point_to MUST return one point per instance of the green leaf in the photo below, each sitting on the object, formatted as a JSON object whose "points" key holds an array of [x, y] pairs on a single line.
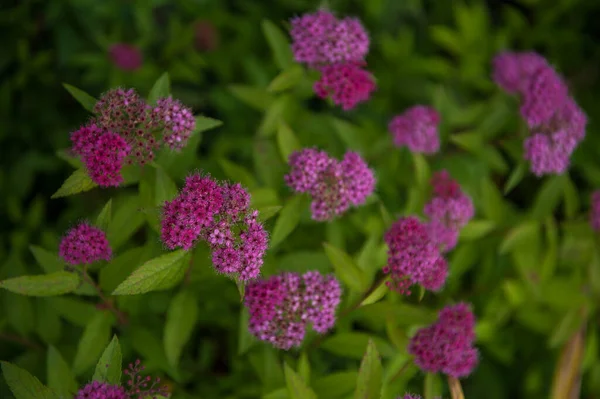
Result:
{"points": [[422, 171], [297, 388], [161, 88], [288, 219], [49, 261], [432, 386], [279, 44], [204, 123], [304, 368], [181, 318], [255, 97], [346, 269], [237, 173], [472, 142], [368, 384], [515, 177], [156, 274], [286, 79], [568, 325], [23, 385], [336, 384], [78, 182], [95, 337], [268, 212], [476, 229], [108, 368], [245, 338], [287, 141], [127, 219], [518, 235], [354, 344], [165, 188], [571, 199], [82, 97], [377, 294], [60, 376], [548, 197], [56, 283], [103, 220]]}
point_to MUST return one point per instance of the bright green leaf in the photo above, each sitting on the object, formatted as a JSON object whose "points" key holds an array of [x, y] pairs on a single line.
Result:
{"points": [[108, 368], [548, 197], [286, 79], [161, 88], [60, 376], [336, 384], [297, 388], [282, 51], [518, 235], [204, 123], [181, 318], [24, 385], [476, 229], [568, 325], [304, 368], [156, 274], [268, 212], [78, 182], [82, 97], [56, 283], [255, 97], [103, 220], [346, 269], [377, 294], [515, 177], [165, 188], [238, 173], [432, 386], [368, 384], [288, 219], [287, 141], [91, 344], [422, 171]]}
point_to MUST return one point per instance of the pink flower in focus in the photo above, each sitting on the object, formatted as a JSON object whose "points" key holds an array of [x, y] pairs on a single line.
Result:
{"points": [[84, 244], [417, 129], [346, 84], [595, 210], [177, 121], [101, 390], [125, 56], [105, 159], [447, 345], [84, 139], [282, 306]]}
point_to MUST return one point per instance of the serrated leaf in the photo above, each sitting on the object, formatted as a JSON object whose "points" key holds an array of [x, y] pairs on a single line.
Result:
{"points": [[165, 188], [204, 123], [181, 318], [288, 219], [286, 79], [103, 220], [297, 388], [369, 381], [515, 177], [268, 212], [78, 182], [82, 97], [286, 141], [377, 294], [56, 283], [92, 342], [346, 269], [108, 368], [282, 51], [60, 376], [156, 274], [476, 229], [49, 261], [161, 88], [237, 173], [24, 385]]}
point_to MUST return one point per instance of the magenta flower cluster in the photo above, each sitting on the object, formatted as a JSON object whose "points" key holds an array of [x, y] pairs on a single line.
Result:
{"points": [[333, 185], [102, 390], [447, 345], [127, 130], [219, 214], [337, 49], [282, 306], [417, 129], [556, 123], [84, 244], [595, 211]]}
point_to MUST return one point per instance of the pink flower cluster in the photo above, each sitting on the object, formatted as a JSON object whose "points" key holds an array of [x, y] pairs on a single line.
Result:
{"points": [[413, 396], [127, 130], [102, 390], [556, 122], [84, 244], [221, 216], [282, 306], [417, 129], [337, 48], [334, 185], [595, 211], [449, 211], [125, 56], [447, 345]]}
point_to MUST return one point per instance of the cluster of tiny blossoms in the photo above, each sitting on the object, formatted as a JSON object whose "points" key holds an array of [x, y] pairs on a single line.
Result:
{"points": [[447, 345], [138, 387], [282, 306], [84, 244], [417, 129], [127, 130], [337, 49], [334, 185], [557, 124], [413, 396], [219, 214]]}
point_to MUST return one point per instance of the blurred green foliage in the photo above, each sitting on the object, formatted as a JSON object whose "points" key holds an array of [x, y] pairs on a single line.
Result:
{"points": [[529, 262]]}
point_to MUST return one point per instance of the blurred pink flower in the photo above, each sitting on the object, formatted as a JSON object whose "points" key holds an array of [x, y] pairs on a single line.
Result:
{"points": [[125, 56]]}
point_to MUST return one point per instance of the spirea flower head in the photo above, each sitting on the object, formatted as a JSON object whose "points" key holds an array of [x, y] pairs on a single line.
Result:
{"points": [[595, 211], [347, 84], [282, 307], [333, 185], [101, 390], [142, 387], [105, 160], [177, 121], [512, 71], [125, 56], [84, 244], [84, 139], [320, 38], [545, 95], [447, 345], [413, 258], [417, 129]]}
